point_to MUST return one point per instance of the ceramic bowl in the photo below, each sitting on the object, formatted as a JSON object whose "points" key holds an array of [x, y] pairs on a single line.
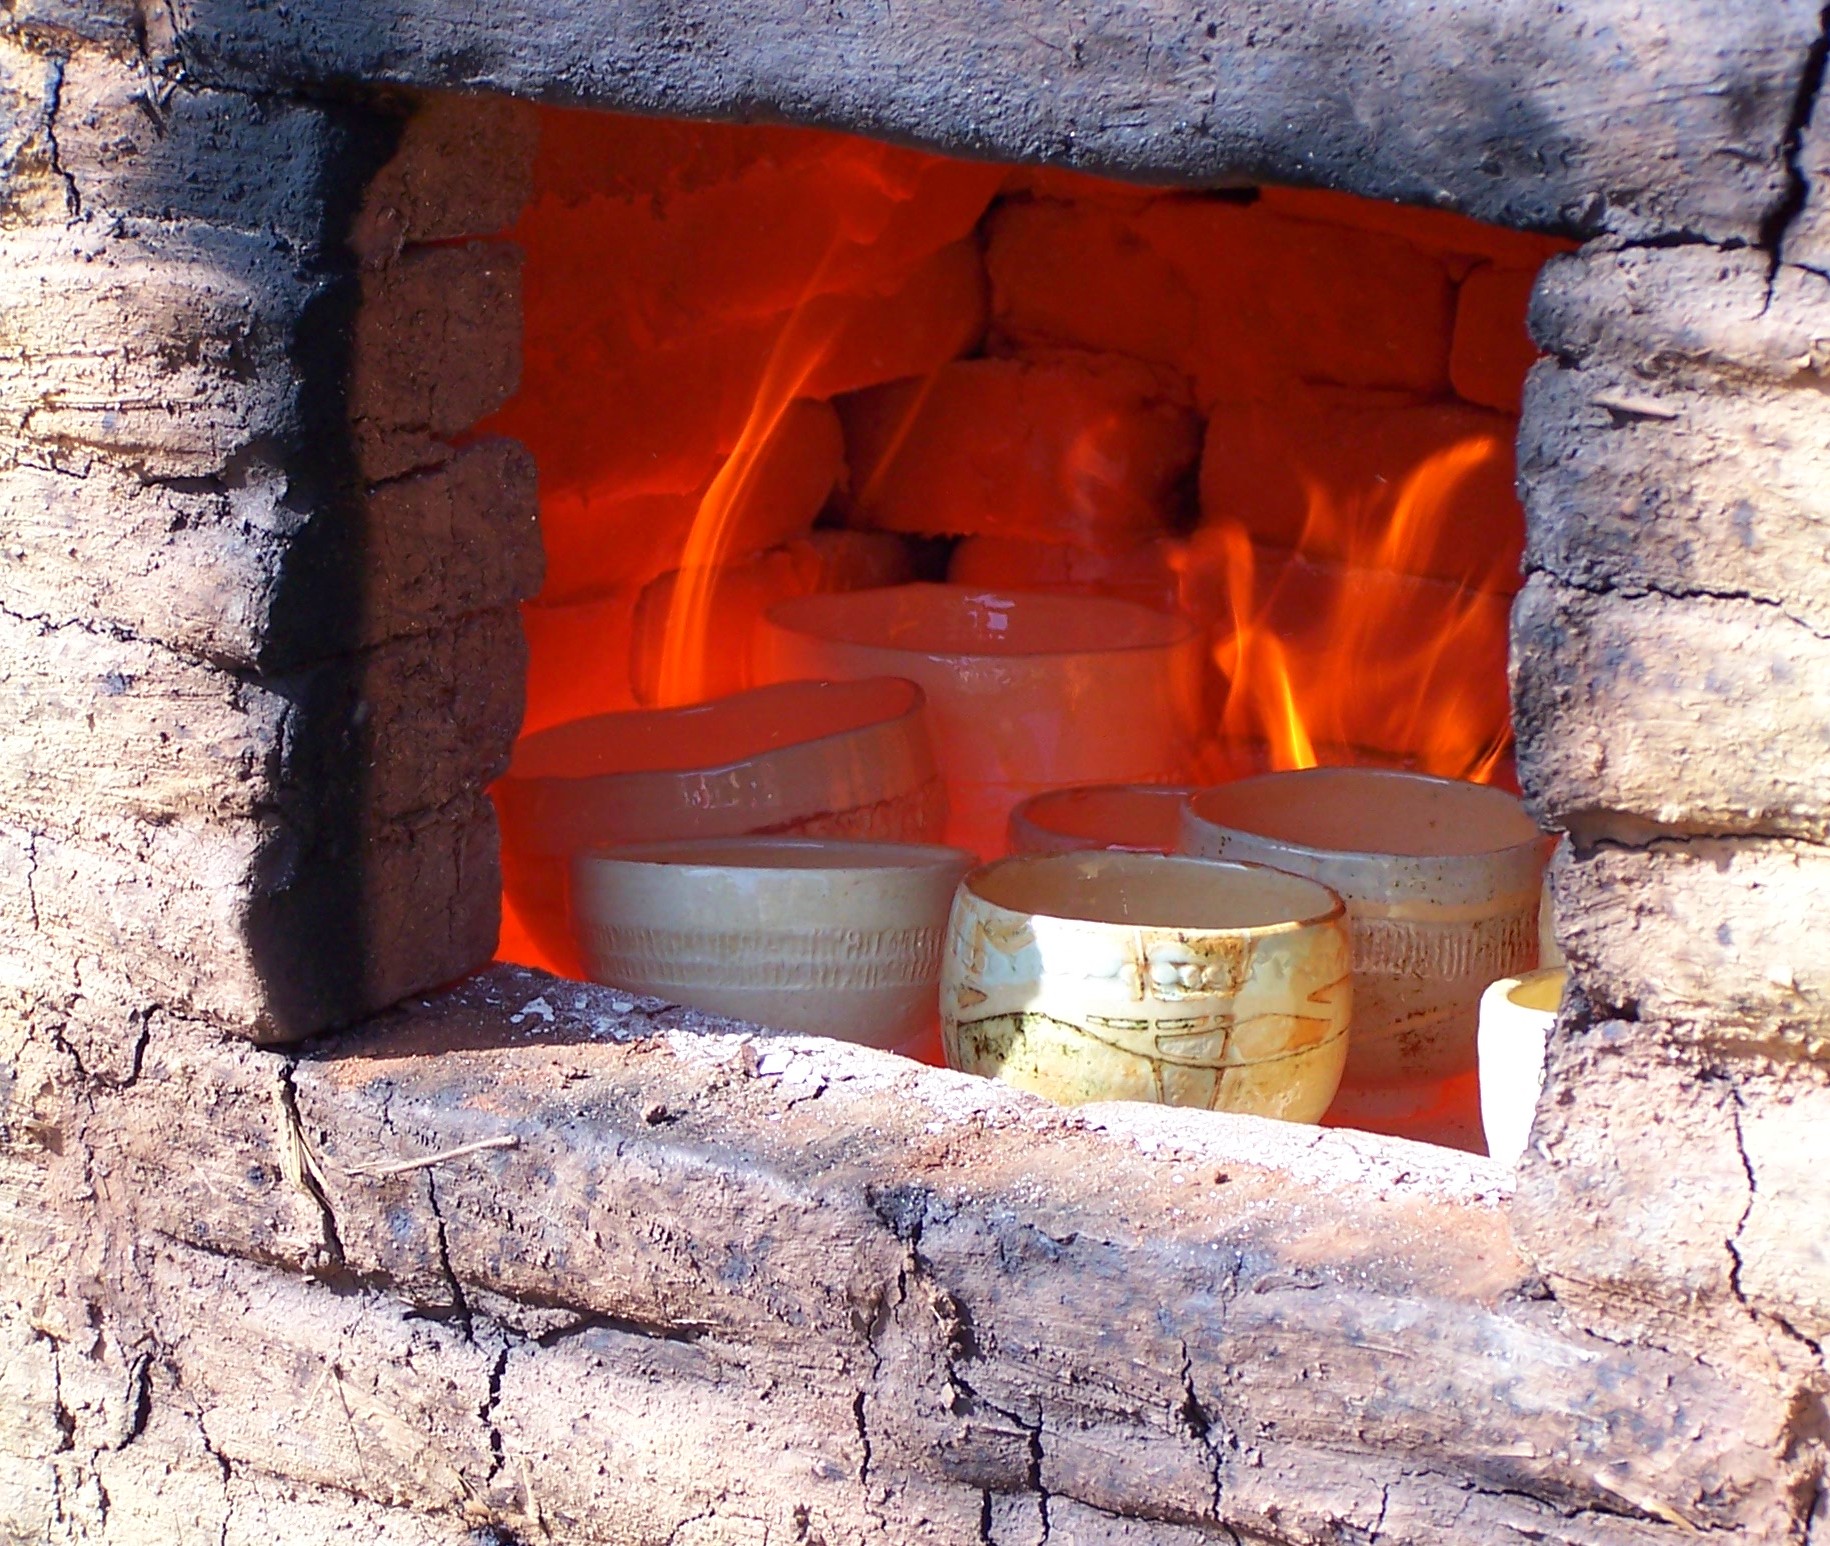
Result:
{"points": [[828, 938], [811, 759], [1122, 976], [1441, 880], [1137, 818], [1516, 1017], [1027, 691]]}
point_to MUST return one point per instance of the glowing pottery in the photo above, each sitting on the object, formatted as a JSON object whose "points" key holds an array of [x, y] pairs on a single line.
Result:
{"points": [[1026, 691], [1136, 818], [1516, 1017], [832, 939], [1441, 880], [1122, 976], [808, 759]]}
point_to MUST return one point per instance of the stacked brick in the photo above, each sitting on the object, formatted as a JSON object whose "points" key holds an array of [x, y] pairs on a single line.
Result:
{"points": [[1672, 685], [1163, 371], [257, 626], [718, 288]]}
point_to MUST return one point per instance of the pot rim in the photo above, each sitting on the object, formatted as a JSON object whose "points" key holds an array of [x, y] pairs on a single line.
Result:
{"points": [[911, 709], [1180, 631], [852, 856], [1334, 910], [1193, 812]]}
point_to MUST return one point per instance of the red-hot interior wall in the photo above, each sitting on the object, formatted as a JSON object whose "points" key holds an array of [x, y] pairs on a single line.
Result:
{"points": [[810, 361]]}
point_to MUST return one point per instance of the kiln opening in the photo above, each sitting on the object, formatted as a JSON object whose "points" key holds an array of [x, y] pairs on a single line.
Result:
{"points": [[1139, 485]]}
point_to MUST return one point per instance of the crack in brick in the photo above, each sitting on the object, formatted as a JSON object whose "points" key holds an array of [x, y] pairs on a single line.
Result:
{"points": [[487, 1411], [1798, 188]]}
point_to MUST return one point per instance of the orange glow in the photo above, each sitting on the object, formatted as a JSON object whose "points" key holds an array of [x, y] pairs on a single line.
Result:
{"points": [[761, 362], [1336, 653], [685, 670]]}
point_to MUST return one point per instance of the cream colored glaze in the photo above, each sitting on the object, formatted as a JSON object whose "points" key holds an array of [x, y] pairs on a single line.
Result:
{"points": [[814, 759], [1071, 976], [828, 938], [1441, 880]]}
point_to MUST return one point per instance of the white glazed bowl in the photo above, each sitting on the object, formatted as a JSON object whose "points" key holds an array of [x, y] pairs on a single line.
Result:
{"points": [[811, 759], [1441, 879], [829, 938], [1517, 1014], [1129, 976], [1137, 818], [1026, 691]]}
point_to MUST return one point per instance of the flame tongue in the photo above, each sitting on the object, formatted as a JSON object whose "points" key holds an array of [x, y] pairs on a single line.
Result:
{"points": [[1341, 651]]}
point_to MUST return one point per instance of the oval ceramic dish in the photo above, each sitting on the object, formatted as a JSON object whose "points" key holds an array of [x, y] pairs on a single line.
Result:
{"points": [[811, 759], [1027, 691], [1122, 976], [829, 938], [1441, 882]]}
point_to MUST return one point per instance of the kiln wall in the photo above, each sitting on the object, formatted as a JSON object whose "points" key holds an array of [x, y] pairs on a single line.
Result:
{"points": [[256, 620]]}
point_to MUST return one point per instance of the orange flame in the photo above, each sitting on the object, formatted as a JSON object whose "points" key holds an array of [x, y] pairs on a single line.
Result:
{"points": [[883, 180], [801, 345], [1338, 653]]}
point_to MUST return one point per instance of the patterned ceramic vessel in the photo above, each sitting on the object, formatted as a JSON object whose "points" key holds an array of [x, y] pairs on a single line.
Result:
{"points": [[800, 759], [1441, 880], [1137, 818], [1127, 976], [1026, 691], [828, 938]]}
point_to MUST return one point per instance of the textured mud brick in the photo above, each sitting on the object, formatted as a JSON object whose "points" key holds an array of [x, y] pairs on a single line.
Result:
{"points": [[1280, 299], [664, 254], [742, 593], [463, 167], [235, 571], [657, 417], [1461, 242], [1492, 350], [1325, 471], [908, 328], [437, 346], [31, 191], [1647, 714], [1240, 298], [598, 539], [681, 278], [458, 540], [1082, 275], [173, 353], [1068, 447], [1145, 573], [1719, 934], [274, 164]]}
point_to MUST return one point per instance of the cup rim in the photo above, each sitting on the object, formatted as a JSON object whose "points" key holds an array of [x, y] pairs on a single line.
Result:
{"points": [[1334, 910], [912, 692], [677, 856], [1180, 629], [1024, 810], [1192, 811]]}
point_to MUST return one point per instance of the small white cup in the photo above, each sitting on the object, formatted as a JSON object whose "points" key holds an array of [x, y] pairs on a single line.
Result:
{"points": [[1516, 1016]]}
